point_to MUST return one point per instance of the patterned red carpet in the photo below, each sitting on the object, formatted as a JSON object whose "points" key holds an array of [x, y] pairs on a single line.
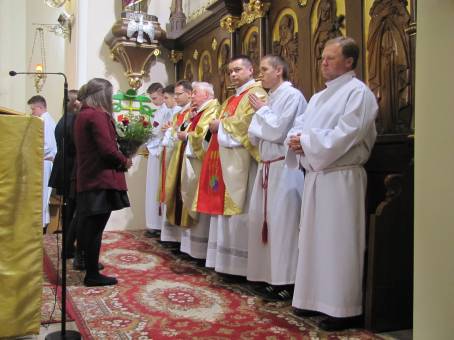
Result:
{"points": [[161, 296]]}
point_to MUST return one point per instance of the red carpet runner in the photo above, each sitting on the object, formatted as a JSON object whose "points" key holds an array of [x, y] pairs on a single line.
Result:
{"points": [[160, 296]]}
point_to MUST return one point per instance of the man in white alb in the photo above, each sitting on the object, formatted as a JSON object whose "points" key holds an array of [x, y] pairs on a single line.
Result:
{"points": [[153, 217], [38, 108], [276, 197], [332, 141]]}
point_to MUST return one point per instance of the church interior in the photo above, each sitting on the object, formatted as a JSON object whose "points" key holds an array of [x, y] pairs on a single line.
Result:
{"points": [[406, 49]]}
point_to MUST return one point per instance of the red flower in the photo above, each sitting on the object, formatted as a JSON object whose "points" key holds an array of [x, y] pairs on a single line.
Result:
{"points": [[120, 118], [125, 121], [145, 123]]}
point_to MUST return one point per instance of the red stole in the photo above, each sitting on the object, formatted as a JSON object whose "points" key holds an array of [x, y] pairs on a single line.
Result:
{"points": [[211, 194]]}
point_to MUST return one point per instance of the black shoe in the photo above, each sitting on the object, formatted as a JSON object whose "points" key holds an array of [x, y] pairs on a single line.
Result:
{"points": [[153, 233], [305, 313], [332, 324], [275, 293], [100, 280], [78, 263], [169, 245], [229, 278], [176, 251]]}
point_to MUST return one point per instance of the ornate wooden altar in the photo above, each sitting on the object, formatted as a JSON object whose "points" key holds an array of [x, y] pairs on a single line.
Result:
{"points": [[297, 30]]}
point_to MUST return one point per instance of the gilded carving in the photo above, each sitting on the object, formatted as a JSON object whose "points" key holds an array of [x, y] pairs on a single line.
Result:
{"points": [[328, 26], [254, 9], [389, 63], [285, 42], [229, 23]]}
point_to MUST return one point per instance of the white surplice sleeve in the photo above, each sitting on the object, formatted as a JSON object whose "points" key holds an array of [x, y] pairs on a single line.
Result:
{"points": [[154, 142], [167, 140], [50, 145], [272, 122], [225, 140], [291, 158], [322, 147]]}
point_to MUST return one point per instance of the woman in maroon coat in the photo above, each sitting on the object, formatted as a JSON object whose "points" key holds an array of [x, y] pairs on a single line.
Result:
{"points": [[101, 185]]}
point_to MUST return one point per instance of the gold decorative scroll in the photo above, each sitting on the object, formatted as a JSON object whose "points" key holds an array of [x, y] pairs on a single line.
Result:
{"points": [[229, 23], [255, 9]]}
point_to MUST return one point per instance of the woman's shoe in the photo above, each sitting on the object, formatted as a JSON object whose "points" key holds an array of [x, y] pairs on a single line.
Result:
{"points": [[100, 280]]}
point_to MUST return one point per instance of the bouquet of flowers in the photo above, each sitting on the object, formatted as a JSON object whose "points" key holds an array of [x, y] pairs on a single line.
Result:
{"points": [[133, 121], [132, 131]]}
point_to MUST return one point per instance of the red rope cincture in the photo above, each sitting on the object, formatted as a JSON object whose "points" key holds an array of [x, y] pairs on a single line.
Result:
{"points": [[265, 176], [162, 197]]}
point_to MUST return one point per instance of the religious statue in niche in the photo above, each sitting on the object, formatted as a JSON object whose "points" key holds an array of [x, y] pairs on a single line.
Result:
{"points": [[223, 71], [251, 48], [286, 46], [205, 68], [327, 27], [189, 71], [389, 64]]}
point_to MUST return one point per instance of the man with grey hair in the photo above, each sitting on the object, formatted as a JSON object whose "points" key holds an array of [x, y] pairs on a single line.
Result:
{"points": [[332, 141], [194, 236]]}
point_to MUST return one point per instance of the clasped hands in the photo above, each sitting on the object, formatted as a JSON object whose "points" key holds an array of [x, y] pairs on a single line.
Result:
{"points": [[166, 126], [295, 144], [256, 102]]}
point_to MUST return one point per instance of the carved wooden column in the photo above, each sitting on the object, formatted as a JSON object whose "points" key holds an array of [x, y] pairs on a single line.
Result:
{"points": [[411, 31], [264, 32], [229, 23], [176, 57], [177, 17]]}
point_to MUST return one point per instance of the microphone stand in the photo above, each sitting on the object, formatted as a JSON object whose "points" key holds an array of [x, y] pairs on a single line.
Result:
{"points": [[63, 333]]}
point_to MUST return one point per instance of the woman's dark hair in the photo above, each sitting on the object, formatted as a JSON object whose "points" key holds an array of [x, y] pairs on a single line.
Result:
{"points": [[97, 93]]}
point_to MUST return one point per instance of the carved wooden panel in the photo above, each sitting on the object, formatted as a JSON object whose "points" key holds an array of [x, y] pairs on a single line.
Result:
{"points": [[251, 47], [188, 71], [222, 68], [389, 64], [327, 23], [204, 59], [285, 42]]}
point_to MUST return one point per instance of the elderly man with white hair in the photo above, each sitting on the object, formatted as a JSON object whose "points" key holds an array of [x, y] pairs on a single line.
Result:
{"points": [[188, 162]]}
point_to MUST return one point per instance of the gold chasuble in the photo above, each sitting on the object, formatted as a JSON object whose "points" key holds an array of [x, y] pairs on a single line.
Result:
{"points": [[21, 232], [224, 176], [183, 171], [166, 155]]}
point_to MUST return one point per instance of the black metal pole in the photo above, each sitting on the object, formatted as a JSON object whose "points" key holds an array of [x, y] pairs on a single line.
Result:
{"points": [[63, 333]]}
